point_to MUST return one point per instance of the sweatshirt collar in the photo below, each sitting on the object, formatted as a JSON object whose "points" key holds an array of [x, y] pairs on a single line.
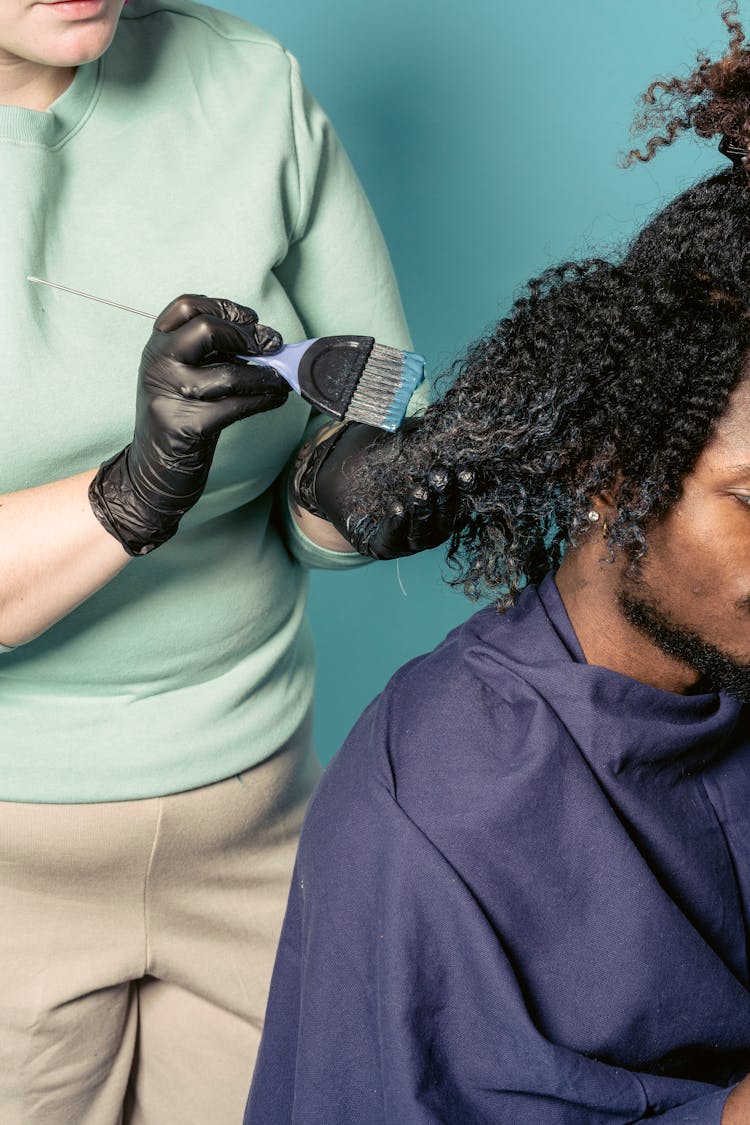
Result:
{"points": [[52, 127]]}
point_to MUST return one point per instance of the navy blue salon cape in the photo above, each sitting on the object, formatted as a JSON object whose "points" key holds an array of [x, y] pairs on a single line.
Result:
{"points": [[521, 898]]}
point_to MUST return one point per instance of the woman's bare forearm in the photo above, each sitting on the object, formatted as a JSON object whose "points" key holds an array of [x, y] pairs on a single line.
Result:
{"points": [[54, 554]]}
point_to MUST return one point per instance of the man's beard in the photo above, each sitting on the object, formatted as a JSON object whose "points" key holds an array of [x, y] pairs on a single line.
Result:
{"points": [[719, 670]]}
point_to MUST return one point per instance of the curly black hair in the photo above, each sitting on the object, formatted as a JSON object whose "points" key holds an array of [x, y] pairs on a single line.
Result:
{"points": [[606, 378]]}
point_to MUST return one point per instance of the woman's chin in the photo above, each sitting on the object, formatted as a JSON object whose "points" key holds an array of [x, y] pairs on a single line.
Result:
{"points": [[74, 32]]}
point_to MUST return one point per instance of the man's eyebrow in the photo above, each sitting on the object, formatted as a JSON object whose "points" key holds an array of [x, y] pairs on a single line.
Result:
{"points": [[740, 470]]}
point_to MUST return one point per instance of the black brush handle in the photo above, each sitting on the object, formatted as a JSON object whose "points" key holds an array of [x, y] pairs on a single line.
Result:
{"points": [[330, 370]]}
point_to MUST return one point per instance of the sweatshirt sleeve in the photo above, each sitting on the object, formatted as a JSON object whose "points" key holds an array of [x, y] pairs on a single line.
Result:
{"points": [[394, 1000], [337, 271]]}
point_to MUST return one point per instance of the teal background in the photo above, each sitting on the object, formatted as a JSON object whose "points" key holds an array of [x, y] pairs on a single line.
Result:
{"points": [[487, 134]]}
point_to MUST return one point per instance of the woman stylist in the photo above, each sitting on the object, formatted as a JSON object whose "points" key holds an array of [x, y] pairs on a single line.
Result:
{"points": [[154, 703]]}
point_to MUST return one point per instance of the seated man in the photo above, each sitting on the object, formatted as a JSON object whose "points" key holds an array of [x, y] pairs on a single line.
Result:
{"points": [[522, 895]]}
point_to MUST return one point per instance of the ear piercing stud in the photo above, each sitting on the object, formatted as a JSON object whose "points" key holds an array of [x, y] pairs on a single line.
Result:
{"points": [[594, 517]]}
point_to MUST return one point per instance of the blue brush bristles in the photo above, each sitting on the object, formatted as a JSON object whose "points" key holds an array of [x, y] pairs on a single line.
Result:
{"points": [[385, 387], [411, 376]]}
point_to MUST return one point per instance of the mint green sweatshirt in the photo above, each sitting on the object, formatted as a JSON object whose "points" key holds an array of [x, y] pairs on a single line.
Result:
{"points": [[189, 159]]}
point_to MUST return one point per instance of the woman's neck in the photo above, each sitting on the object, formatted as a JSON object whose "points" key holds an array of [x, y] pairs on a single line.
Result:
{"points": [[32, 85]]}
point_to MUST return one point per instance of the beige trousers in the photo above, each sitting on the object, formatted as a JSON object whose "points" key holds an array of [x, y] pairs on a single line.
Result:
{"points": [[137, 940]]}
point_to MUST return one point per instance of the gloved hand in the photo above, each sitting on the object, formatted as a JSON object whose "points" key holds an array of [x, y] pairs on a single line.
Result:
{"points": [[189, 389], [326, 484]]}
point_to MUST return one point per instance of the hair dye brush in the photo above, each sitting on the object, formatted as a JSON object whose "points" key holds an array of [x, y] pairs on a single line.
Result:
{"points": [[349, 377]]}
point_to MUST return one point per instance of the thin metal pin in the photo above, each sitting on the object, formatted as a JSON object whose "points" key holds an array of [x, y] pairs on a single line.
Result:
{"points": [[91, 297]]}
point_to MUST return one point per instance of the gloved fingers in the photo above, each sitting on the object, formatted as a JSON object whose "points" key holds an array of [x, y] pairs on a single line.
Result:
{"points": [[233, 380], [466, 480], [449, 494], [422, 529], [257, 339], [188, 305], [424, 519], [267, 340], [431, 508], [443, 498], [253, 338], [218, 415], [203, 339], [381, 539]]}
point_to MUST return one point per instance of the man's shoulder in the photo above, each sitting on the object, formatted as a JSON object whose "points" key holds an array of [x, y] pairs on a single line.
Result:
{"points": [[477, 673], [468, 668], [457, 740], [466, 706]]}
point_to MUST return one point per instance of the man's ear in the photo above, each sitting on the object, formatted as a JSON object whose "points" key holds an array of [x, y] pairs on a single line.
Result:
{"points": [[603, 509], [605, 502]]}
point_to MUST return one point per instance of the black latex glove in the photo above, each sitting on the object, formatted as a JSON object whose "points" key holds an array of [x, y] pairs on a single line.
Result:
{"points": [[327, 482], [189, 390]]}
